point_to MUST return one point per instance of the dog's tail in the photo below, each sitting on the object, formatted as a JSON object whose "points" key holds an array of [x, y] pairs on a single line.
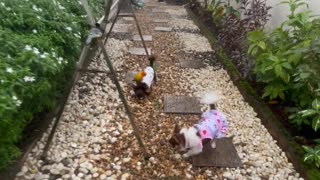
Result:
{"points": [[210, 98], [152, 59]]}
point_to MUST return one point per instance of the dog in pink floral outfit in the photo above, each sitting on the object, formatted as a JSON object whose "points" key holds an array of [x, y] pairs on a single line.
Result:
{"points": [[213, 125]]}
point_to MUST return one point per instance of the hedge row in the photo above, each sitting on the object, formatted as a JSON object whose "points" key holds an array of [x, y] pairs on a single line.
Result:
{"points": [[40, 43]]}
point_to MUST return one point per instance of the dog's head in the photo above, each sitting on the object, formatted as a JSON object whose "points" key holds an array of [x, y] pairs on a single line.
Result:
{"points": [[178, 139], [141, 90]]}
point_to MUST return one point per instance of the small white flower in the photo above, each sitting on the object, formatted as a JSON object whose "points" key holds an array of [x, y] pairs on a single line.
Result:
{"points": [[9, 70], [43, 55], [53, 54], [36, 50], [61, 7], [29, 79], [18, 102], [8, 9], [34, 7], [40, 9], [38, 17], [28, 48], [69, 28], [2, 81], [35, 31], [14, 98], [77, 35], [2, 4], [60, 59]]}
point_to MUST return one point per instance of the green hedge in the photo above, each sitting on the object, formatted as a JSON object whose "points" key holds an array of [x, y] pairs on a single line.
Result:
{"points": [[40, 43]]}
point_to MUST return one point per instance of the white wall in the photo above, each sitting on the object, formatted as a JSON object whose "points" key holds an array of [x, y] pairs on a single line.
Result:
{"points": [[280, 12]]}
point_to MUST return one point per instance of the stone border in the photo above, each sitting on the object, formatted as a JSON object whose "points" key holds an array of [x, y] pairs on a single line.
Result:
{"points": [[285, 141]]}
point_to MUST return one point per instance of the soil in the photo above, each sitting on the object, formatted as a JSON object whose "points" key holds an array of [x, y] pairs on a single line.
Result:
{"points": [[305, 134]]}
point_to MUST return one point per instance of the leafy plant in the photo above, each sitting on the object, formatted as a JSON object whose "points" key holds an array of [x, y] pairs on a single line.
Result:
{"points": [[220, 10], [40, 43], [288, 63], [234, 32], [312, 154]]}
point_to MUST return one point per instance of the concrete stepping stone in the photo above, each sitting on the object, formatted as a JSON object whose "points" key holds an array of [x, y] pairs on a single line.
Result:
{"points": [[139, 51], [224, 155], [119, 28], [157, 10], [163, 29], [181, 105], [160, 21], [145, 38], [196, 64]]}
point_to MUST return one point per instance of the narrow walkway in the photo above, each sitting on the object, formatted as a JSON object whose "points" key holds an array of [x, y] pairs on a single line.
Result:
{"points": [[94, 139]]}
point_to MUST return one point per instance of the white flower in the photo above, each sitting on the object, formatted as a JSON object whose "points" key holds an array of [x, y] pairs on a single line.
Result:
{"points": [[2, 81], [29, 79], [60, 59], [53, 54], [17, 101], [61, 7], [34, 7], [2, 4], [38, 17], [40, 9], [35, 31], [43, 55], [28, 48], [9, 70], [36, 50], [77, 35], [69, 28], [8, 9]]}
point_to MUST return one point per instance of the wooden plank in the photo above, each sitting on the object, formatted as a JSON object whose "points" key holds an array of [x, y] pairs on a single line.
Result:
{"points": [[224, 155], [181, 105], [160, 21]]}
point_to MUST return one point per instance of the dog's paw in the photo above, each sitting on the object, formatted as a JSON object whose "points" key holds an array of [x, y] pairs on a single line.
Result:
{"points": [[213, 145], [185, 155]]}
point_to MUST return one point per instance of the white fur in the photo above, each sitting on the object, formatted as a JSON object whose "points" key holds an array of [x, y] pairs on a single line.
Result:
{"points": [[192, 141], [210, 98], [190, 134]]}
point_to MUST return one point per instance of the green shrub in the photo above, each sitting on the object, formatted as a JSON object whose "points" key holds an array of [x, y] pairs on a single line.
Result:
{"points": [[40, 43], [288, 62]]}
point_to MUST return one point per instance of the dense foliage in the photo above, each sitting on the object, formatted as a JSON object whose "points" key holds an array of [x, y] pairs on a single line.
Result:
{"points": [[40, 43], [288, 63]]}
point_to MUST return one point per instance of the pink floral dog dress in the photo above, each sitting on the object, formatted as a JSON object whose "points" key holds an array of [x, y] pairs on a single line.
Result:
{"points": [[213, 124]]}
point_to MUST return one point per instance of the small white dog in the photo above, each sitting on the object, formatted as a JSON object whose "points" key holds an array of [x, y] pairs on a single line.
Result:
{"points": [[213, 125]]}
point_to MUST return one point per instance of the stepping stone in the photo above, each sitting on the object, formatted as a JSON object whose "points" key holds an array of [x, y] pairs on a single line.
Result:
{"points": [[124, 14], [128, 18], [119, 28], [156, 10], [163, 29], [224, 155], [139, 51], [160, 21], [145, 38], [181, 105], [196, 64]]}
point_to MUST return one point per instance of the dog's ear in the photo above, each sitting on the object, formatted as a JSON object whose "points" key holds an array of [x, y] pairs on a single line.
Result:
{"points": [[181, 139], [176, 129]]}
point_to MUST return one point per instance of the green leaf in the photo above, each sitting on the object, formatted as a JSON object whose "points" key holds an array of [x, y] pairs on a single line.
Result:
{"points": [[316, 123], [287, 65], [278, 70], [251, 48], [316, 104], [308, 112], [262, 45], [305, 75]]}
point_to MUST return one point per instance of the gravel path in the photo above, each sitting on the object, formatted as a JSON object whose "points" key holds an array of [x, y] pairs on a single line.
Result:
{"points": [[94, 139]]}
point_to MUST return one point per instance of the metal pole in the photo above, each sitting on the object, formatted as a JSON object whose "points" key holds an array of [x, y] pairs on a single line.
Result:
{"points": [[123, 99]]}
